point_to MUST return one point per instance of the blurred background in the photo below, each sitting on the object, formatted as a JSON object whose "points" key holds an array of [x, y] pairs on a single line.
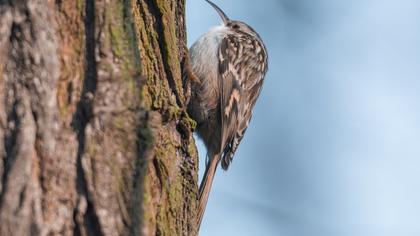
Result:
{"points": [[334, 144]]}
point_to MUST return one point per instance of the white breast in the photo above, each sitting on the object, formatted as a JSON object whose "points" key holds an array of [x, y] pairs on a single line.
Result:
{"points": [[204, 53]]}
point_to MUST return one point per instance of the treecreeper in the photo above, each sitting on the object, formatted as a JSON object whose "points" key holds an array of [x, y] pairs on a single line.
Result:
{"points": [[229, 63]]}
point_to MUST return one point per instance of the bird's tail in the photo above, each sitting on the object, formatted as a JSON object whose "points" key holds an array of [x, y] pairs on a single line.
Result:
{"points": [[205, 186]]}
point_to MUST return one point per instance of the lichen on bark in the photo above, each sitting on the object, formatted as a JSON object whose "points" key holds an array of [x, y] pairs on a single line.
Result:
{"points": [[94, 134]]}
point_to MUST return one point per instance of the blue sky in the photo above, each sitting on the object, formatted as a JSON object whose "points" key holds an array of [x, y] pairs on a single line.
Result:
{"points": [[334, 144]]}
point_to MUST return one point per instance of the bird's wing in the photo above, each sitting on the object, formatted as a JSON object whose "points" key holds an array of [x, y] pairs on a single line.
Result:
{"points": [[242, 67], [230, 97]]}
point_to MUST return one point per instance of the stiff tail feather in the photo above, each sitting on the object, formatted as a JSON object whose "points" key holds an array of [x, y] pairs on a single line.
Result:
{"points": [[205, 187]]}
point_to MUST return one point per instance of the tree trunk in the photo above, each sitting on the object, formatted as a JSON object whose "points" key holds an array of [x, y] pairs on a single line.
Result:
{"points": [[94, 134]]}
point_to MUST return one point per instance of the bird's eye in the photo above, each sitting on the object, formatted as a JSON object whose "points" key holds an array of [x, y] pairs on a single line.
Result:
{"points": [[235, 26]]}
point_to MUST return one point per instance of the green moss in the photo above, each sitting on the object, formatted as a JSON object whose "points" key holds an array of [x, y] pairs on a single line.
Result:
{"points": [[118, 37], [158, 92], [63, 109], [92, 150], [188, 120], [129, 28], [174, 112], [176, 194], [79, 5], [118, 122], [143, 197], [173, 183], [122, 39], [116, 42], [170, 42], [174, 172], [147, 137], [114, 21]]}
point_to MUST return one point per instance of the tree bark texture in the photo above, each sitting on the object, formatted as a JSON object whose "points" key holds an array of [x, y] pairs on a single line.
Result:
{"points": [[94, 134]]}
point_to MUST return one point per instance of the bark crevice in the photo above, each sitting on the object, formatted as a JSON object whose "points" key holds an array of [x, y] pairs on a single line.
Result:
{"points": [[82, 117]]}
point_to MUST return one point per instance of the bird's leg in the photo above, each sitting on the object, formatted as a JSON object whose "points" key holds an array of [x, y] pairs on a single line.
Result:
{"points": [[188, 67], [189, 76]]}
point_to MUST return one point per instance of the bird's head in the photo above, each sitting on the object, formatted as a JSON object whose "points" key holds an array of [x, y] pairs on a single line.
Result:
{"points": [[234, 25]]}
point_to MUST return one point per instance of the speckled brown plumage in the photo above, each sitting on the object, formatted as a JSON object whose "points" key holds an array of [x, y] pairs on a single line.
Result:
{"points": [[230, 62]]}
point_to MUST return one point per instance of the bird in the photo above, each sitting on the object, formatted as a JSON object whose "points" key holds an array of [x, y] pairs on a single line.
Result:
{"points": [[229, 62]]}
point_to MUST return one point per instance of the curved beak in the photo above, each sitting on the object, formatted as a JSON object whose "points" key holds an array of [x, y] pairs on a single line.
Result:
{"points": [[221, 13]]}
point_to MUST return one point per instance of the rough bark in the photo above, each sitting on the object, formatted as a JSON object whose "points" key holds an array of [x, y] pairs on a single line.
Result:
{"points": [[94, 134]]}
